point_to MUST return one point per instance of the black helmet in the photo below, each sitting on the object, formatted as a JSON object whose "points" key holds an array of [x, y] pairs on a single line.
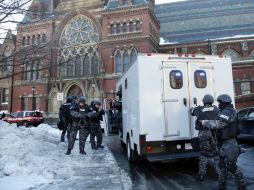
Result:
{"points": [[74, 97], [97, 103], [82, 99], [69, 99], [208, 99], [224, 98], [92, 103]]}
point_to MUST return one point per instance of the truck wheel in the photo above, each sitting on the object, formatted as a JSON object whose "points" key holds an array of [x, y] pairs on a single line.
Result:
{"points": [[131, 155], [128, 150], [25, 123]]}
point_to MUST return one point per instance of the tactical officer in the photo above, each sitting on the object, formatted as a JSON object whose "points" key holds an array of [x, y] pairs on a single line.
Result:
{"points": [[207, 139], [65, 118], [227, 144], [96, 117], [79, 113]]}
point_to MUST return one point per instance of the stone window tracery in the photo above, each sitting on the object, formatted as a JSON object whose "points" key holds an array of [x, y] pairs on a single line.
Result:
{"points": [[78, 41], [124, 58], [235, 56]]}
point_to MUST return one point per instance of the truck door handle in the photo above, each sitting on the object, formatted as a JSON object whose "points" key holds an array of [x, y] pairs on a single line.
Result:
{"points": [[185, 101], [195, 101]]}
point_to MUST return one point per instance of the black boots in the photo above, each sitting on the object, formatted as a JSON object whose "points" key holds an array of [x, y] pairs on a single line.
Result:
{"points": [[82, 152], [100, 146], [68, 152], [62, 138], [93, 146]]}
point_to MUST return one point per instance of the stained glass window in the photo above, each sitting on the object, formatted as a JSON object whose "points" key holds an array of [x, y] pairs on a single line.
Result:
{"points": [[70, 68], [95, 65], [125, 27], [80, 38], [125, 60], [80, 30], [138, 26], [112, 29], [118, 28], [78, 66], [118, 62], [133, 56], [86, 65], [131, 29]]}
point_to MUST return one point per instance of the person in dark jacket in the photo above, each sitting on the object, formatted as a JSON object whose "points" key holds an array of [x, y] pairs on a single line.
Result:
{"points": [[96, 131], [79, 113], [227, 132], [65, 118], [207, 139]]}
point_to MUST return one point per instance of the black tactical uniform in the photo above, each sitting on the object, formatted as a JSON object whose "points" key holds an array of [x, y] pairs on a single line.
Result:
{"points": [[207, 139], [65, 118], [79, 113], [228, 148], [96, 117]]}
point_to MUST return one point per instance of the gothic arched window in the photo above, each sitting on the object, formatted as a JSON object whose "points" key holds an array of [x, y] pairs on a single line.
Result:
{"points": [[44, 38], [79, 31], [86, 65], [131, 26], [79, 38], [70, 68], [124, 27], [118, 62], [126, 60], [252, 54], [95, 65], [138, 26], [112, 29], [28, 40], [33, 40], [235, 56], [78, 66], [118, 28], [133, 56]]}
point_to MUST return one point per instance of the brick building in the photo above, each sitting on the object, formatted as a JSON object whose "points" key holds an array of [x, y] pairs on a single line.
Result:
{"points": [[217, 27], [82, 46]]}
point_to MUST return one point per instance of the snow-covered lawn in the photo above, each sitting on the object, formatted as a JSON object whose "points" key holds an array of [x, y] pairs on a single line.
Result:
{"points": [[33, 158]]}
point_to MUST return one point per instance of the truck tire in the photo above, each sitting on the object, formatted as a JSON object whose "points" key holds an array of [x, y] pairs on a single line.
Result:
{"points": [[131, 155]]}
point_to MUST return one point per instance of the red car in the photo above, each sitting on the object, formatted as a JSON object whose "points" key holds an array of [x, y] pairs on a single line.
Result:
{"points": [[25, 118]]}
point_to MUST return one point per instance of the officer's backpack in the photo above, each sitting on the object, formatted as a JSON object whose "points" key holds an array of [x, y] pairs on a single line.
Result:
{"points": [[65, 111]]}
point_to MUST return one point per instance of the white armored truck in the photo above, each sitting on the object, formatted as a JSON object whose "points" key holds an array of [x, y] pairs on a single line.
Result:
{"points": [[157, 92]]}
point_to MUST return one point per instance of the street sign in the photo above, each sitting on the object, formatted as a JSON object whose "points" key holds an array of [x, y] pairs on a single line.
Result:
{"points": [[60, 96]]}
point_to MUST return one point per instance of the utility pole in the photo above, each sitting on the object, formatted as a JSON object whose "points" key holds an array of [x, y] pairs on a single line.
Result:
{"points": [[12, 75], [33, 99]]}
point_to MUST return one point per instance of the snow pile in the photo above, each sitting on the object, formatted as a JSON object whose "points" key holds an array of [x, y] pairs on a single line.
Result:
{"points": [[34, 158]]}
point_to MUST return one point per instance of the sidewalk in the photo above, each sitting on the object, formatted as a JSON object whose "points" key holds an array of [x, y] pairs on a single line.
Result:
{"points": [[34, 158]]}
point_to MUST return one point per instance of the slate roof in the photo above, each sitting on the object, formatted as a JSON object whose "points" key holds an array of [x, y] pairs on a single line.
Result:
{"points": [[43, 8], [113, 4], [200, 20]]}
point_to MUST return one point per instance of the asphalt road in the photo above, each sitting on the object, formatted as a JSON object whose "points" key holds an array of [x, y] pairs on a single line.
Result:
{"points": [[177, 175]]}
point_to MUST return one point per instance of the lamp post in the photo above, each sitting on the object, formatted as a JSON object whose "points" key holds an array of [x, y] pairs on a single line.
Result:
{"points": [[33, 98]]}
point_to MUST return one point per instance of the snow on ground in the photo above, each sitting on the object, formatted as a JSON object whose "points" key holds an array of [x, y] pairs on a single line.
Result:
{"points": [[33, 158]]}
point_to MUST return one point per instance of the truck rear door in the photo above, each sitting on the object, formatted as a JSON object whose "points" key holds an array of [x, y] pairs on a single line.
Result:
{"points": [[201, 82], [184, 85]]}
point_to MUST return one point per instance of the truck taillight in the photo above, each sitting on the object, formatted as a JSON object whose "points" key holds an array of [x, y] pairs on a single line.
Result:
{"points": [[193, 55], [180, 55], [187, 55], [149, 149], [149, 54]]}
